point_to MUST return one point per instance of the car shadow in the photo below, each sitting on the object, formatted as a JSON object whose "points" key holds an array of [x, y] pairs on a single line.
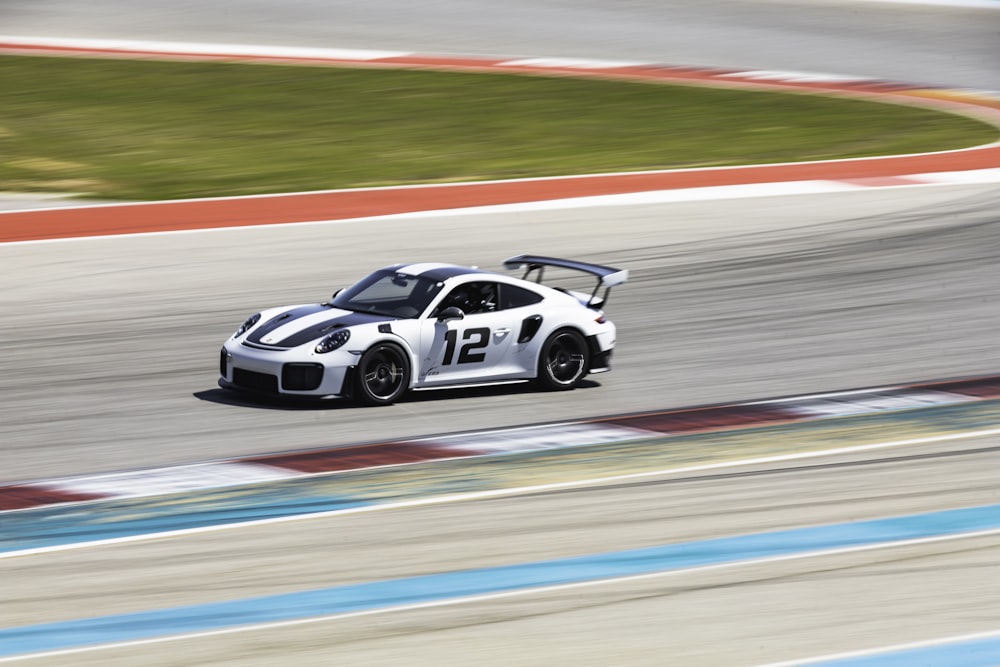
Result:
{"points": [[241, 400], [518, 389]]}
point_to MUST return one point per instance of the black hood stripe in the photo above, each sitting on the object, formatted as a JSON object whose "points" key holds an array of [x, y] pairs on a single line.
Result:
{"points": [[283, 319], [312, 332]]}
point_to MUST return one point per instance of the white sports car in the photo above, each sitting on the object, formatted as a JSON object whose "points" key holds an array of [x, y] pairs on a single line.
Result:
{"points": [[425, 326]]}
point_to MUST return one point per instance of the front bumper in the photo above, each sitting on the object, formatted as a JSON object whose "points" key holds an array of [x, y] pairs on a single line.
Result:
{"points": [[285, 372]]}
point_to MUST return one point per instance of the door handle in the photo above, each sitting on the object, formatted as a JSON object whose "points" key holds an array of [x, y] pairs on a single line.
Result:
{"points": [[501, 332]]}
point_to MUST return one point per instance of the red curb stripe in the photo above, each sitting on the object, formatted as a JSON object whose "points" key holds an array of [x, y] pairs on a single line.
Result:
{"points": [[360, 456], [27, 495], [708, 419], [982, 388]]}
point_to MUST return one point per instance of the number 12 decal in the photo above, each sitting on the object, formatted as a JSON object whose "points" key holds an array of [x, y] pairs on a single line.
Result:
{"points": [[466, 354]]}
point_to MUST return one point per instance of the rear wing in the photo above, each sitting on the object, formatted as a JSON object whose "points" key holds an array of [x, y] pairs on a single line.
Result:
{"points": [[607, 277]]}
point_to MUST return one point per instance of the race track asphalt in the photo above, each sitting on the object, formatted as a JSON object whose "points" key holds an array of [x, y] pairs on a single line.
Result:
{"points": [[110, 349]]}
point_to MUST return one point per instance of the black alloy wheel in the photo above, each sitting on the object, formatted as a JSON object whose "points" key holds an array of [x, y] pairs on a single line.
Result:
{"points": [[563, 361], [383, 375]]}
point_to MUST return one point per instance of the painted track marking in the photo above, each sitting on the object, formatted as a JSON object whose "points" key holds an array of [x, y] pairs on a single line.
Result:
{"points": [[495, 582], [973, 650]]}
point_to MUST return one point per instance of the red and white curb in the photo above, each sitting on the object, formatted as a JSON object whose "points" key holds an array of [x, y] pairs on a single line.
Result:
{"points": [[721, 192], [625, 428], [646, 69]]}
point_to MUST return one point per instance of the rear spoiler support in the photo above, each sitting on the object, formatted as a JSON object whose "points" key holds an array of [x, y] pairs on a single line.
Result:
{"points": [[607, 277]]}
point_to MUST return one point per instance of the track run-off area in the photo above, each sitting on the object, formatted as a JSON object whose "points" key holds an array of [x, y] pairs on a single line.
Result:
{"points": [[978, 164], [504, 526]]}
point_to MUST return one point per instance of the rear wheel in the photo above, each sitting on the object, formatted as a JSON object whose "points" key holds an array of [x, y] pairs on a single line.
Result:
{"points": [[383, 375], [563, 361]]}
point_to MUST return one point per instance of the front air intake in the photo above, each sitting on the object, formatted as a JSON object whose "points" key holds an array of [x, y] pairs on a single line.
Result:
{"points": [[301, 377], [255, 381]]}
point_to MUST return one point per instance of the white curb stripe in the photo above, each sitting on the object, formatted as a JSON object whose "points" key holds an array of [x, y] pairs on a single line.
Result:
{"points": [[572, 63], [799, 77], [876, 403], [175, 479], [534, 438], [194, 48], [960, 177]]}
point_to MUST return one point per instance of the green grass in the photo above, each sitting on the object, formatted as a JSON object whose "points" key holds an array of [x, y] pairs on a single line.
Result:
{"points": [[160, 130]]}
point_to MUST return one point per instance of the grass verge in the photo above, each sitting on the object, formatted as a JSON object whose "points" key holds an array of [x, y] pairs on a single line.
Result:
{"points": [[143, 130]]}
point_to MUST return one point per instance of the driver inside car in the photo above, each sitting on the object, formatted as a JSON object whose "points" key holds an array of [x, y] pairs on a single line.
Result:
{"points": [[471, 298]]}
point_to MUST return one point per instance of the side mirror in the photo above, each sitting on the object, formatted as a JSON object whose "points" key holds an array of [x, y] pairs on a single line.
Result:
{"points": [[336, 293], [451, 313]]}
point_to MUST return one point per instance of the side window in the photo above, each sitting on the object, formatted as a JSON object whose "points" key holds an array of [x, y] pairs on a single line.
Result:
{"points": [[512, 296], [472, 298]]}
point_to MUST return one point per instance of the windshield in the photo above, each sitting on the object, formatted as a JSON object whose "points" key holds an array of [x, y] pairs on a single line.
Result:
{"points": [[390, 293]]}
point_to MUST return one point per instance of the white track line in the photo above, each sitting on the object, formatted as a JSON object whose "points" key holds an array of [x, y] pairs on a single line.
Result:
{"points": [[895, 648]]}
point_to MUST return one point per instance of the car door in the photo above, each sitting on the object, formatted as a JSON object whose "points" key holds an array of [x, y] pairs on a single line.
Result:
{"points": [[474, 348]]}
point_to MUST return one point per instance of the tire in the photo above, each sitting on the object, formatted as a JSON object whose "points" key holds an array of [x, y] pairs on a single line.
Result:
{"points": [[383, 375], [563, 360]]}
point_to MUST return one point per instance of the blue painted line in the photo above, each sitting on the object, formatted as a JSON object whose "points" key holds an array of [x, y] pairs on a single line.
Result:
{"points": [[983, 652], [383, 595], [58, 526]]}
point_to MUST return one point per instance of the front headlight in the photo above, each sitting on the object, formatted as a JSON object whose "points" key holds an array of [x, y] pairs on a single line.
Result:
{"points": [[333, 341], [250, 321]]}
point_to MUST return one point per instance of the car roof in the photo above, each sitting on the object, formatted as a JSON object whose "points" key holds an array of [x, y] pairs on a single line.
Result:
{"points": [[437, 271], [454, 273]]}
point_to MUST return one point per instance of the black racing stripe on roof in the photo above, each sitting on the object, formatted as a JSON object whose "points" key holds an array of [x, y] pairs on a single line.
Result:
{"points": [[443, 273]]}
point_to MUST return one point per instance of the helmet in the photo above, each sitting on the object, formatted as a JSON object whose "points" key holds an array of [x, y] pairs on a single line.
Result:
{"points": [[462, 298]]}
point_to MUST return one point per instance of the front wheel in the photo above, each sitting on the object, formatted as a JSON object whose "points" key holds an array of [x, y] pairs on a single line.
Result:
{"points": [[383, 375], [563, 361]]}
